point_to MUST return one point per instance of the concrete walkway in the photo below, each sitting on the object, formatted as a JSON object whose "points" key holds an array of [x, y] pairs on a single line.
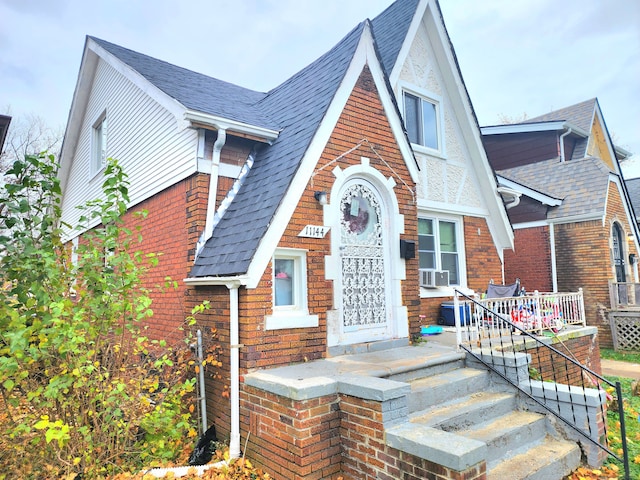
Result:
{"points": [[620, 369]]}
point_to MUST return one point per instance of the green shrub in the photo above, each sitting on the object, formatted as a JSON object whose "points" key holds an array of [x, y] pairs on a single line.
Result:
{"points": [[84, 390]]}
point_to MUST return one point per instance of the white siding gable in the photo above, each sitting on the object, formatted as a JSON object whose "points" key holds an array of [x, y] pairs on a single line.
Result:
{"points": [[153, 149]]}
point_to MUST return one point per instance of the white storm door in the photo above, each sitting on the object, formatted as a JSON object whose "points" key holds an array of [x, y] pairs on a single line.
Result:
{"points": [[364, 300]]}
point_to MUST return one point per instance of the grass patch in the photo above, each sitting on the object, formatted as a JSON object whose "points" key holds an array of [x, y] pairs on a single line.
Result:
{"points": [[610, 354], [632, 424]]}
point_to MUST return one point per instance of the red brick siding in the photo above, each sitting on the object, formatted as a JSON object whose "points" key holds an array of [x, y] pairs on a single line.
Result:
{"points": [[365, 456], [530, 261], [584, 350], [584, 260], [362, 117], [287, 443]]}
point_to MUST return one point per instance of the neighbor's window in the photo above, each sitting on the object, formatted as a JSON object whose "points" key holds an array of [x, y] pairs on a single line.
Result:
{"points": [[421, 118], [99, 145], [438, 246]]}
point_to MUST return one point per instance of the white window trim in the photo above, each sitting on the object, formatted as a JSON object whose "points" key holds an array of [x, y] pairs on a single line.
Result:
{"points": [[297, 315], [94, 169], [438, 102], [462, 260]]}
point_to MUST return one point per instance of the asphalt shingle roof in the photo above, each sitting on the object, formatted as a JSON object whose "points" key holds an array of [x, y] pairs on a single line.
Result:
{"points": [[579, 115], [194, 90], [581, 184], [295, 108], [390, 30], [298, 106], [633, 187]]}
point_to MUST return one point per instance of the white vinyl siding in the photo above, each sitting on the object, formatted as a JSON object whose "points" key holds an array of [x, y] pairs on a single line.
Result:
{"points": [[154, 151]]}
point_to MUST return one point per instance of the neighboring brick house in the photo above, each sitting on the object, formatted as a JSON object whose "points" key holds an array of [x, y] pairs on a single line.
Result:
{"points": [[570, 209], [303, 214]]}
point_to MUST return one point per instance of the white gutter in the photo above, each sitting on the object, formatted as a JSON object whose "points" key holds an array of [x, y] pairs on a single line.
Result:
{"points": [[562, 159], [552, 244], [267, 134], [213, 183], [511, 193]]}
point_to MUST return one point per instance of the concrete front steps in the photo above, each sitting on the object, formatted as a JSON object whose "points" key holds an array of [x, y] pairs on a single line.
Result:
{"points": [[459, 417]]}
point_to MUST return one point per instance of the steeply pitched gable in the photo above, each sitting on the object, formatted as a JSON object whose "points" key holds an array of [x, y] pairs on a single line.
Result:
{"points": [[298, 106], [195, 91]]}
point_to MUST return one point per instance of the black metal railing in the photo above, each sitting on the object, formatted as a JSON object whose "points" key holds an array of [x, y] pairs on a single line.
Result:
{"points": [[573, 393]]}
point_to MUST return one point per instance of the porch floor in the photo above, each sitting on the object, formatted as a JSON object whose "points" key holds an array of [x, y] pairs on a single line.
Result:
{"points": [[320, 377]]}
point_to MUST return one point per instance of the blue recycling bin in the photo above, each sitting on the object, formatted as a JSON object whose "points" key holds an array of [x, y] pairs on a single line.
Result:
{"points": [[448, 316]]}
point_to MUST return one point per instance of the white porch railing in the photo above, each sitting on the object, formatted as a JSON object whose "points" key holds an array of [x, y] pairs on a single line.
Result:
{"points": [[532, 313]]}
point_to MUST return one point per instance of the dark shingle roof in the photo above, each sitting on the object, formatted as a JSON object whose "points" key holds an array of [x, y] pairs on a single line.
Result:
{"points": [[390, 29], [194, 90], [294, 108], [581, 184], [298, 106]]}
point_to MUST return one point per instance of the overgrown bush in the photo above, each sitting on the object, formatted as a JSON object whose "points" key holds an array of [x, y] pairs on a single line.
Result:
{"points": [[84, 391]]}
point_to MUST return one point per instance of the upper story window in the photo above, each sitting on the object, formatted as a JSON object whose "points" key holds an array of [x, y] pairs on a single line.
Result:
{"points": [[439, 247], [423, 122], [99, 144]]}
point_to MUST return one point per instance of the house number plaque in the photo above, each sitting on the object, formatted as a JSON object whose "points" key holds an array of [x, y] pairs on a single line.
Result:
{"points": [[314, 231]]}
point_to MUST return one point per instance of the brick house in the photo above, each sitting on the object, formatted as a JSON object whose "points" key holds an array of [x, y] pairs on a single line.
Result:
{"points": [[570, 209], [314, 217]]}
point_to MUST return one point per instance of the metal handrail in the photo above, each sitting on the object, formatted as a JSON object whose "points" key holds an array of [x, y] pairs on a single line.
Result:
{"points": [[566, 364]]}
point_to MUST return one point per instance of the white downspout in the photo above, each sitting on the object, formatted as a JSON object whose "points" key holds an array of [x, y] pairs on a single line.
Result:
{"points": [[554, 272], [234, 347], [213, 182], [562, 159]]}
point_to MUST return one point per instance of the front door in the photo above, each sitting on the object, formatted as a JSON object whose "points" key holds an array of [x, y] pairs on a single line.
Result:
{"points": [[618, 254], [363, 291]]}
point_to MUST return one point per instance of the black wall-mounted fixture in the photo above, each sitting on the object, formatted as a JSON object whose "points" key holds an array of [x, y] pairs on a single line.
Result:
{"points": [[632, 258], [407, 249]]}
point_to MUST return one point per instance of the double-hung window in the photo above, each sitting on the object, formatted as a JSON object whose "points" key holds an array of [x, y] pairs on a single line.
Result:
{"points": [[290, 308], [422, 120], [439, 246], [99, 144]]}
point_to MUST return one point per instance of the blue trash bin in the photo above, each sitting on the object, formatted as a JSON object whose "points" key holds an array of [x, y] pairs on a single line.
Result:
{"points": [[447, 314]]}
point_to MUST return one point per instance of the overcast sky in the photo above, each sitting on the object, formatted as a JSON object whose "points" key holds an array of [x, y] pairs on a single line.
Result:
{"points": [[517, 57]]}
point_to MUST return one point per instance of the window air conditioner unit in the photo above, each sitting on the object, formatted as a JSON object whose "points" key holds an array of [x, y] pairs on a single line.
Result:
{"points": [[430, 278]]}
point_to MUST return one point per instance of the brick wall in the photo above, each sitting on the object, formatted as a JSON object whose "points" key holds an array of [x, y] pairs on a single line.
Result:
{"points": [[362, 117], [331, 437], [584, 349], [584, 260], [292, 439], [530, 261]]}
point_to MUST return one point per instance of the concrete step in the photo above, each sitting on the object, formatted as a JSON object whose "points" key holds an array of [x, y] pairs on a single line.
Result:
{"points": [[552, 459], [469, 410], [443, 364], [442, 388], [508, 435]]}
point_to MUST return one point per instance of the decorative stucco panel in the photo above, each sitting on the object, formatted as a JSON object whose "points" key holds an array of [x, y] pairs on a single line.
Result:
{"points": [[447, 178]]}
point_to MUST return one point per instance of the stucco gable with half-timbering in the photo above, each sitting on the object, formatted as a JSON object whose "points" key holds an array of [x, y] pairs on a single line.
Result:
{"points": [[447, 178]]}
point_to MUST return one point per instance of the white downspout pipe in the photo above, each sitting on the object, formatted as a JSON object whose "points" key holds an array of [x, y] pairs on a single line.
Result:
{"points": [[562, 159], [234, 347], [213, 182], [552, 244]]}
